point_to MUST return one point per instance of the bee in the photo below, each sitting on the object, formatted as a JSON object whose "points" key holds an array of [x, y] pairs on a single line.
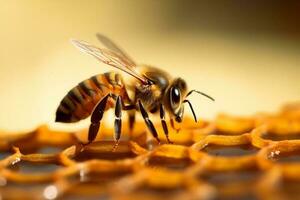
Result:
{"points": [[146, 89]]}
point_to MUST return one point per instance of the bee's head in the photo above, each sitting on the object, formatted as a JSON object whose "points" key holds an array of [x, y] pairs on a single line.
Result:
{"points": [[174, 98]]}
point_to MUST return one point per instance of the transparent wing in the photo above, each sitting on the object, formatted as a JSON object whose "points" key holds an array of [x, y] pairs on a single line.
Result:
{"points": [[114, 47], [110, 58]]}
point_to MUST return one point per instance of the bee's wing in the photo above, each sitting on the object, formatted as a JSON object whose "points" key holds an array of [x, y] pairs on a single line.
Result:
{"points": [[114, 47], [110, 58]]}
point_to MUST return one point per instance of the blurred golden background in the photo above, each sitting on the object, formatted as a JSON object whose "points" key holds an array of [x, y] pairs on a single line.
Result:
{"points": [[243, 53]]}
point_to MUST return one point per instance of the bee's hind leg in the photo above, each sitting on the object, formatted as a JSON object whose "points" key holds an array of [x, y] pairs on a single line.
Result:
{"points": [[118, 121], [163, 123], [96, 118]]}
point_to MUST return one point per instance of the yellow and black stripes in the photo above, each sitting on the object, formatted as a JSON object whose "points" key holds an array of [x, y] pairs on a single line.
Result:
{"points": [[81, 100]]}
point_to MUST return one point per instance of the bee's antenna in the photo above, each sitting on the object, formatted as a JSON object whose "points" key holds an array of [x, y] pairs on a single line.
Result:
{"points": [[190, 92], [187, 101]]}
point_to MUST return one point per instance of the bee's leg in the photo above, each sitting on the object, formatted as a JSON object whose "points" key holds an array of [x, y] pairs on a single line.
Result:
{"points": [[163, 122], [118, 121], [148, 121], [173, 125], [131, 120], [131, 116], [96, 118]]}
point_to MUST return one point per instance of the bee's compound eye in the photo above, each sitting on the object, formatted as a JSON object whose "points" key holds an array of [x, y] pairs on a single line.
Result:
{"points": [[175, 96]]}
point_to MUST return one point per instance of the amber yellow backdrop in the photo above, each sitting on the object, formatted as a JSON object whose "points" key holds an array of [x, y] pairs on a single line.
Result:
{"points": [[246, 56]]}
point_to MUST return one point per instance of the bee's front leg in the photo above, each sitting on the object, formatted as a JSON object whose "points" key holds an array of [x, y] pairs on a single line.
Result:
{"points": [[163, 122], [173, 126]]}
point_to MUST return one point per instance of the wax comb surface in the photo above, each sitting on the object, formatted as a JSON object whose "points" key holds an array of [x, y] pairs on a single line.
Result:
{"points": [[256, 157]]}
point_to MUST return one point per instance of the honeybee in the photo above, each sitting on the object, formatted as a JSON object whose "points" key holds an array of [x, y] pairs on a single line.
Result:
{"points": [[146, 89]]}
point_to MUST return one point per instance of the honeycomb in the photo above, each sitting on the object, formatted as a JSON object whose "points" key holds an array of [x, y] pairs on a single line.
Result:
{"points": [[255, 157]]}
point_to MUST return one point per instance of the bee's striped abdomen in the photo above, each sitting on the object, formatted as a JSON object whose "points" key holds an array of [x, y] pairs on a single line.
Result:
{"points": [[80, 101]]}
